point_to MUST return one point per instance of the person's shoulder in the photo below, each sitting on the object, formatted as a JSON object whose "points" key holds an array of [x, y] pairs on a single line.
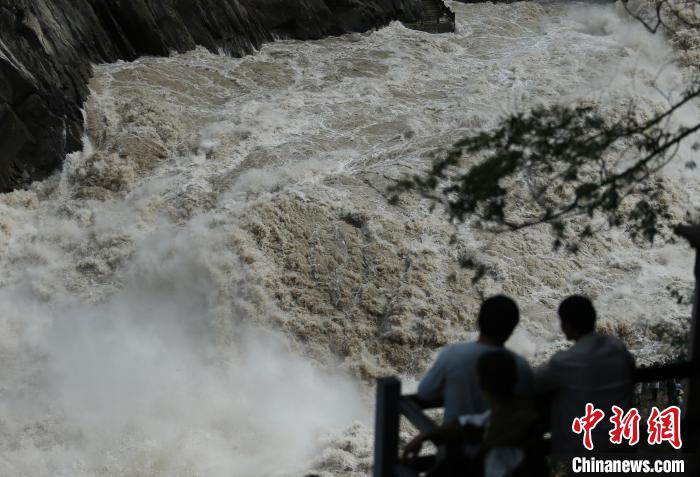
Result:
{"points": [[466, 351], [453, 349], [615, 343], [562, 357], [520, 360], [461, 347]]}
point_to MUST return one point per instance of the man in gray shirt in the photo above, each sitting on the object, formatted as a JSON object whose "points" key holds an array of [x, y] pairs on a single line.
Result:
{"points": [[453, 380], [597, 369]]}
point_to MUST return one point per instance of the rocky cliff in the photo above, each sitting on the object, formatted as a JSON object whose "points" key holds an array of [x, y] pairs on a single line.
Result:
{"points": [[47, 48]]}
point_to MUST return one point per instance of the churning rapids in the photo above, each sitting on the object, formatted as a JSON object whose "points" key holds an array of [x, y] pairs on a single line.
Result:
{"points": [[207, 288]]}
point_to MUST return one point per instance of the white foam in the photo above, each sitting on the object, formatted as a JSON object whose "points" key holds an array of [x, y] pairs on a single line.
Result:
{"points": [[187, 296]]}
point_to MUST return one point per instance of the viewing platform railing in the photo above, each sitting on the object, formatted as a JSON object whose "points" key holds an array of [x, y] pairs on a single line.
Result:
{"points": [[391, 406]]}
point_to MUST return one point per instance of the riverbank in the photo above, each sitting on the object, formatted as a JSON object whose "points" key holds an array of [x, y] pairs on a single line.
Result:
{"points": [[47, 49]]}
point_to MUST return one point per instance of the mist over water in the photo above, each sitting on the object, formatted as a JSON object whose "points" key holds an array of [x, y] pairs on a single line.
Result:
{"points": [[148, 381], [208, 287]]}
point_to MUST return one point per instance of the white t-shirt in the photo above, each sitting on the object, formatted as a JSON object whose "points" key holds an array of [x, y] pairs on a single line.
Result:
{"points": [[499, 461], [597, 369], [453, 380]]}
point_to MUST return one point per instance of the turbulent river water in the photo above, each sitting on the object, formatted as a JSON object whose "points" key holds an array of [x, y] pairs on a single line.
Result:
{"points": [[208, 288]]}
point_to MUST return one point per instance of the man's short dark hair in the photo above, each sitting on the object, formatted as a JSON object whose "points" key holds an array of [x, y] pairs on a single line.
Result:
{"points": [[497, 373], [579, 312], [498, 317]]}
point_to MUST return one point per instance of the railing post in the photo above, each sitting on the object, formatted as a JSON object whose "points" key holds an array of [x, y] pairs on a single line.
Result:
{"points": [[692, 401], [386, 435]]}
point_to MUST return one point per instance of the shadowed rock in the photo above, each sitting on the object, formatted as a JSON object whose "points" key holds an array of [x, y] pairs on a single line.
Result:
{"points": [[47, 48]]}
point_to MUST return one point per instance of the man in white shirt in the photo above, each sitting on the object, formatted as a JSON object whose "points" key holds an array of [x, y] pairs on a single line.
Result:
{"points": [[453, 380], [597, 369], [505, 440]]}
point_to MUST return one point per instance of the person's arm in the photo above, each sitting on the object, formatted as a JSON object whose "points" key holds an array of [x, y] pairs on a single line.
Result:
{"points": [[546, 385], [545, 380], [632, 364], [525, 384], [432, 387], [452, 433], [692, 234]]}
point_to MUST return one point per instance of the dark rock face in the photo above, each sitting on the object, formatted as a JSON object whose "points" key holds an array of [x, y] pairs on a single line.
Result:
{"points": [[47, 48]]}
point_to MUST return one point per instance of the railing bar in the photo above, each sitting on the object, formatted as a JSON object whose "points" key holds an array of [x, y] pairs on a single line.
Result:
{"points": [[662, 373], [414, 413], [657, 373], [386, 444]]}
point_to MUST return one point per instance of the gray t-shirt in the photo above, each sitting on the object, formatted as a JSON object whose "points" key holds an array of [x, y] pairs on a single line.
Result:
{"points": [[453, 380]]}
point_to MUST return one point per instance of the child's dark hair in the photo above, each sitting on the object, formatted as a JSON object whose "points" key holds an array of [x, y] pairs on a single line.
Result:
{"points": [[497, 373]]}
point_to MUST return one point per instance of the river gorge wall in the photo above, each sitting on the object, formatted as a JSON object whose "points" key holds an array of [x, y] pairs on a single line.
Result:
{"points": [[48, 47]]}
